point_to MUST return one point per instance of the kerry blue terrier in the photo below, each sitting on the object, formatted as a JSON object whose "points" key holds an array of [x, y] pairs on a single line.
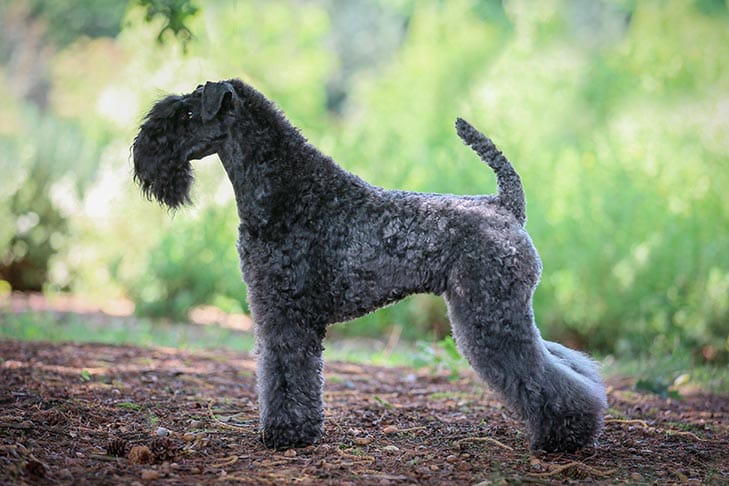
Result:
{"points": [[318, 245]]}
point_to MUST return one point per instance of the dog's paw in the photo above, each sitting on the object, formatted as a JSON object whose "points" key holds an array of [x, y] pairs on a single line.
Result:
{"points": [[568, 414], [287, 436], [567, 432], [568, 421]]}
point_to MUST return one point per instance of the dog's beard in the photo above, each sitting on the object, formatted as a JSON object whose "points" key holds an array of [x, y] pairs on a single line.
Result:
{"points": [[163, 178]]}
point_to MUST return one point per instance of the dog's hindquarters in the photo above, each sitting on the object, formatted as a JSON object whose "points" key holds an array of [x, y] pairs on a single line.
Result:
{"points": [[555, 390]]}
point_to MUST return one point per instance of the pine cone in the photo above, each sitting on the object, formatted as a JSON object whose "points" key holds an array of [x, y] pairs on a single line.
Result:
{"points": [[116, 447], [140, 454], [35, 468], [163, 448], [54, 417]]}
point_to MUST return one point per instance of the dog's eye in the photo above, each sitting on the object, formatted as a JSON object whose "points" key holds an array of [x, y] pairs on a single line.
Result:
{"points": [[189, 115]]}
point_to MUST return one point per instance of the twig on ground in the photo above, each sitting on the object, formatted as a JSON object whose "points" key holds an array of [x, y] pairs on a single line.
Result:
{"points": [[104, 457], [556, 469], [220, 422], [657, 430], [686, 433], [231, 477], [228, 461], [355, 457], [642, 423], [411, 429], [460, 443]]}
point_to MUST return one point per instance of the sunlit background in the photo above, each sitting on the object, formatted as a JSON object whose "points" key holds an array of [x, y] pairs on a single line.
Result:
{"points": [[614, 112]]}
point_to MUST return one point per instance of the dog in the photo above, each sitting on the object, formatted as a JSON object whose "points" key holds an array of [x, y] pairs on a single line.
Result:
{"points": [[319, 245]]}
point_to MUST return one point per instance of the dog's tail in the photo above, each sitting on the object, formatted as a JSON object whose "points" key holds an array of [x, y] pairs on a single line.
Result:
{"points": [[511, 192]]}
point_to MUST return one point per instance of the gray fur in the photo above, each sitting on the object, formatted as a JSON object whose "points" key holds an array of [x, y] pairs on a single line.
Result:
{"points": [[319, 245]]}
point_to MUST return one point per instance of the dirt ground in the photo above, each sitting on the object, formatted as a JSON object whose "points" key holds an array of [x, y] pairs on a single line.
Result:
{"points": [[77, 414]]}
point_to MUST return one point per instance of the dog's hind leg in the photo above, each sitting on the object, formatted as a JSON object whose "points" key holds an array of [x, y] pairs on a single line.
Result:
{"points": [[556, 391], [289, 381]]}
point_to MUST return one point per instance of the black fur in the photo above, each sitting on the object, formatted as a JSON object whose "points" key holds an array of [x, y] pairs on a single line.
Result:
{"points": [[319, 245]]}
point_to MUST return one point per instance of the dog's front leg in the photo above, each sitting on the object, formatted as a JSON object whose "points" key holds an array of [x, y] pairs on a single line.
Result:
{"points": [[289, 381]]}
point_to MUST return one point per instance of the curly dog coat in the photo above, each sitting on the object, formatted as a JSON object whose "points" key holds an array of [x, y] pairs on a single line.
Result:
{"points": [[319, 245]]}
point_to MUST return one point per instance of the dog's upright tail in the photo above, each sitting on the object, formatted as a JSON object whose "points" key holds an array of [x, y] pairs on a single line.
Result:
{"points": [[511, 192]]}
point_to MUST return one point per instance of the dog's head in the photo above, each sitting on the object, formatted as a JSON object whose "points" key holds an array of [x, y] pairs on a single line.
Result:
{"points": [[179, 129]]}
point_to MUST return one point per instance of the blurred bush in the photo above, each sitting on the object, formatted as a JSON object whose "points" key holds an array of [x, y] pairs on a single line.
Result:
{"points": [[192, 264], [613, 113], [614, 120], [45, 162]]}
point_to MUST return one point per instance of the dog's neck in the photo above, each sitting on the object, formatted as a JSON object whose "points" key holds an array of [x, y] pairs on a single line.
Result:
{"points": [[268, 169]]}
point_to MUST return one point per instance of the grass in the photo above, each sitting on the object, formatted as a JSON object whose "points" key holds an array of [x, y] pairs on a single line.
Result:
{"points": [[669, 374], [129, 405], [45, 326]]}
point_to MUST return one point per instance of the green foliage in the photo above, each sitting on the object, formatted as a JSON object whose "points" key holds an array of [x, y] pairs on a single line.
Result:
{"points": [[629, 229], [439, 356], [129, 405], [192, 264], [613, 113], [676, 370], [38, 184], [625, 126], [67, 21], [174, 14], [403, 135], [383, 403], [416, 317], [85, 375], [658, 387]]}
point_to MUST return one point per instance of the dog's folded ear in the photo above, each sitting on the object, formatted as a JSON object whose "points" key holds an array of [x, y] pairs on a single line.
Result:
{"points": [[213, 96]]}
